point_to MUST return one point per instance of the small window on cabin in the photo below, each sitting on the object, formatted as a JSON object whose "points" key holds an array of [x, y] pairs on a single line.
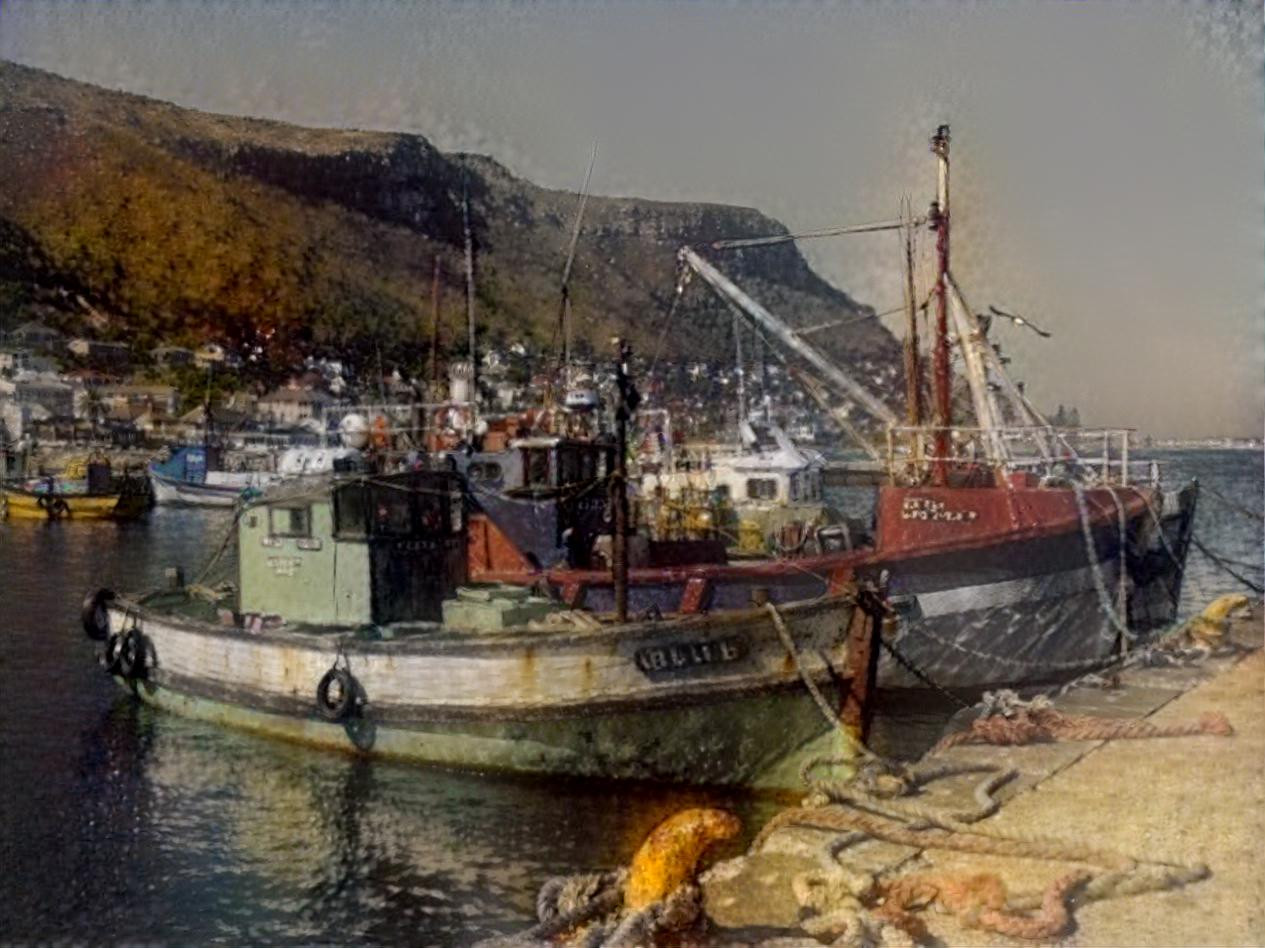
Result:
{"points": [[794, 487], [761, 488], [392, 512], [290, 521], [351, 511], [537, 467]]}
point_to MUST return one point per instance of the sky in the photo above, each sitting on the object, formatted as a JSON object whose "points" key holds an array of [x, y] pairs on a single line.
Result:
{"points": [[1108, 158]]}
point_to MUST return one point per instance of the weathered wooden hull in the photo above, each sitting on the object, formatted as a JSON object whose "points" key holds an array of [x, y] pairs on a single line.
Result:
{"points": [[28, 505], [704, 699]]}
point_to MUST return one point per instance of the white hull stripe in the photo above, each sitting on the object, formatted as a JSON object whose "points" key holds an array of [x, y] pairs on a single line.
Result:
{"points": [[1010, 592]]}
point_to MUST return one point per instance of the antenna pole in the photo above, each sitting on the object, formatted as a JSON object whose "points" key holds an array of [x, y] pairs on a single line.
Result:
{"points": [[742, 371], [913, 363], [474, 354], [628, 399], [939, 220]]}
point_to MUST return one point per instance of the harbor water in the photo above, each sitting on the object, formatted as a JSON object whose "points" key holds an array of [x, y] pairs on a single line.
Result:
{"points": [[121, 824]]}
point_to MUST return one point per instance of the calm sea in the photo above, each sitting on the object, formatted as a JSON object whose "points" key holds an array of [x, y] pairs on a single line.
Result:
{"points": [[119, 824]]}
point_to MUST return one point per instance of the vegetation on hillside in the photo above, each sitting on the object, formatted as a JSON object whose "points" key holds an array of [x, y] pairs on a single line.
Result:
{"points": [[136, 220]]}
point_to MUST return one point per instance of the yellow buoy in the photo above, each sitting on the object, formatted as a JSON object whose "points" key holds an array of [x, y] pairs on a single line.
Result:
{"points": [[669, 856]]}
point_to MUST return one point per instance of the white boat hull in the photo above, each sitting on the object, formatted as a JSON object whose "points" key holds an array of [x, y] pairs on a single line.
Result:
{"points": [[705, 699]]}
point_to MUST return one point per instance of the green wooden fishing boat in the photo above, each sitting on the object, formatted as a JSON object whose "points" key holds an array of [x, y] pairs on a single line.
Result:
{"points": [[352, 627]]}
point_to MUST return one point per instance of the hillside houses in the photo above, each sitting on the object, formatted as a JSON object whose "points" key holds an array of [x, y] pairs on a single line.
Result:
{"points": [[14, 361], [113, 354], [36, 336], [293, 406], [32, 399]]}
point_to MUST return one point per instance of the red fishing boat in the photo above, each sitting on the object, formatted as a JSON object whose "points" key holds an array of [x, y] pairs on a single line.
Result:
{"points": [[1013, 552]]}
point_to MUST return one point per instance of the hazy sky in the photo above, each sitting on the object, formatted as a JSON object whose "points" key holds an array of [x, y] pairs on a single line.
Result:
{"points": [[1109, 159]]}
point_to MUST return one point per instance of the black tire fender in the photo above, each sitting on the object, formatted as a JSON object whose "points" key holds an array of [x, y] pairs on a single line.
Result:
{"points": [[95, 614], [131, 662], [110, 653], [334, 706]]}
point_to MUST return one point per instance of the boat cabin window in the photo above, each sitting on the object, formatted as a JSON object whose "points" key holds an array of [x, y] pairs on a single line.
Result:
{"points": [[404, 506], [290, 521], [536, 467], [392, 513], [579, 463], [795, 487], [762, 488]]}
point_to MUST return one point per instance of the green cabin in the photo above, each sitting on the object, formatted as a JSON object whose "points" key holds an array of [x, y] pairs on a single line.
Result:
{"points": [[357, 550]]}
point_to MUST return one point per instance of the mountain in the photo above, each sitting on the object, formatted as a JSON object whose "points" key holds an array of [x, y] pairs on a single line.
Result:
{"points": [[152, 223]]}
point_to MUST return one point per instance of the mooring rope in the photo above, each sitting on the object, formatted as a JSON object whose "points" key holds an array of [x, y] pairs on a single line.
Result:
{"points": [[823, 705]]}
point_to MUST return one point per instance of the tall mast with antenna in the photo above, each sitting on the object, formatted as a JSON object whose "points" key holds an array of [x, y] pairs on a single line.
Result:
{"points": [[943, 380], [465, 225], [564, 312], [742, 371], [913, 363]]}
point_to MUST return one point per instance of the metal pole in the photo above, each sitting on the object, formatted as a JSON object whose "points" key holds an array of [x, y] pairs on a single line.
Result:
{"points": [[783, 333], [474, 355], [939, 220], [742, 373], [626, 405], [913, 367]]}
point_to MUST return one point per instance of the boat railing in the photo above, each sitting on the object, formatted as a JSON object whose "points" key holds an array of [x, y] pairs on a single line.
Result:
{"points": [[1051, 454]]}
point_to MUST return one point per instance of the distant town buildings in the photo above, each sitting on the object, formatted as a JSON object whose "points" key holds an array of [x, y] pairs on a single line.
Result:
{"points": [[114, 354], [34, 398], [293, 406]]}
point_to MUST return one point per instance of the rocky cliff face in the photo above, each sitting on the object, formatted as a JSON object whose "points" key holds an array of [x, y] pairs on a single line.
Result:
{"points": [[184, 225]]}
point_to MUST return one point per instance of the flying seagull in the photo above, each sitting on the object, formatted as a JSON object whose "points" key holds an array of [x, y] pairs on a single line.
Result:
{"points": [[1020, 321]]}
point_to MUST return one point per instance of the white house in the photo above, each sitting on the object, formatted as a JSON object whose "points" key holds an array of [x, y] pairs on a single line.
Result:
{"points": [[291, 406], [33, 397]]}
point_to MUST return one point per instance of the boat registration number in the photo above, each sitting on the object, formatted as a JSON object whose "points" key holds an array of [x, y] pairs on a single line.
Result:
{"points": [[674, 657]]}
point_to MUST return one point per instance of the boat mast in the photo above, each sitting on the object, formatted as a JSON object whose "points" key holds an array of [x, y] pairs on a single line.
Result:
{"points": [[625, 408], [564, 314], [742, 373], [913, 364], [942, 378], [474, 355]]}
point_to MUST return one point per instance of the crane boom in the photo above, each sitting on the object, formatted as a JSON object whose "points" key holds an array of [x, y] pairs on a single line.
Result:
{"points": [[843, 383], [816, 390]]}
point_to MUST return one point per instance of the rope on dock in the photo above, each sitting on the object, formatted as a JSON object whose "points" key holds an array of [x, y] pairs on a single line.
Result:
{"points": [[1046, 725], [857, 909]]}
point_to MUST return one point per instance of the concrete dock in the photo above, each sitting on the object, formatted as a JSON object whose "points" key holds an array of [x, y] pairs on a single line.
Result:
{"points": [[1186, 800]]}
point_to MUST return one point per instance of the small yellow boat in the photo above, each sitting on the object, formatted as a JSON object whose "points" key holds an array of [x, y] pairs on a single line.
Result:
{"points": [[23, 504], [99, 496]]}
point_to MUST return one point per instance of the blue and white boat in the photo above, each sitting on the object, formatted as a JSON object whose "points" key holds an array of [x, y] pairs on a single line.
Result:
{"points": [[188, 479]]}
